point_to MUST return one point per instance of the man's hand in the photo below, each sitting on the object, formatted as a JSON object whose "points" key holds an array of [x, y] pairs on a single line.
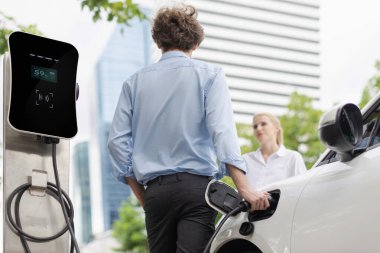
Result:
{"points": [[137, 189], [258, 200]]}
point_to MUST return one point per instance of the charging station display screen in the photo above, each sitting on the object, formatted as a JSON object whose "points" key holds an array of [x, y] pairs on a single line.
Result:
{"points": [[45, 74], [43, 85]]}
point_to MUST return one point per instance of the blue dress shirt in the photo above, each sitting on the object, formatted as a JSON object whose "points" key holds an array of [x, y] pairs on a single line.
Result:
{"points": [[174, 116]]}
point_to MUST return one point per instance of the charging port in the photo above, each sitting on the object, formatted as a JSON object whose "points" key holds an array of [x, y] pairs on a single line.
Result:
{"points": [[265, 214]]}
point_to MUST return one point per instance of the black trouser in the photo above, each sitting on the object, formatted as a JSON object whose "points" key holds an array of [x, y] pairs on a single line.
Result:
{"points": [[177, 217]]}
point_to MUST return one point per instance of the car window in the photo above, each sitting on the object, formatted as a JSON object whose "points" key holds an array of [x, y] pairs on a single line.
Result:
{"points": [[371, 134], [368, 132], [375, 140], [371, 137]]}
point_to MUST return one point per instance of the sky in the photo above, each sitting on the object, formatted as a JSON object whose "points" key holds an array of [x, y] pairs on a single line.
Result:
{"points": [[350, 46], [350, 43]]}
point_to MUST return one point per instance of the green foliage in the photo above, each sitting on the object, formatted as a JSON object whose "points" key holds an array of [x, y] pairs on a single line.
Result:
{"points": [[372, 87], [121, 11], [9, 25], [228, 180], [245, 133], [129, 230], [300, 127], [3, 40]]}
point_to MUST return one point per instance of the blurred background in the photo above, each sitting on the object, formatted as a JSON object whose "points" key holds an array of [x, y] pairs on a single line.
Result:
{"points": [[294, 58]]}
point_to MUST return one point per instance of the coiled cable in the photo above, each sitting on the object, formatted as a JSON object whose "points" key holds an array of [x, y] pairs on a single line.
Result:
{"points": [[52, 190]]}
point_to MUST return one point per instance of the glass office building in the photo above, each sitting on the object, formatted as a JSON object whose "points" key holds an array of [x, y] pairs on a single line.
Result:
{"points": [[128, 49], [82, 191]]}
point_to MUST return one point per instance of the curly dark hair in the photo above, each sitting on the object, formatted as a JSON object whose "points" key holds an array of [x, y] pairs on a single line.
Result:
{"points": [[177, 28]]}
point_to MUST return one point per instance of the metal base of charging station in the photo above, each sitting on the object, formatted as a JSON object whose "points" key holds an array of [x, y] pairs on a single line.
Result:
{"points": [[40, 216]]}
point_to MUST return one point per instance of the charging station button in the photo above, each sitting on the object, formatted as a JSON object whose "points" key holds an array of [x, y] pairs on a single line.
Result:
{"points": [[49, 99], [45, 99], [39, 97]]}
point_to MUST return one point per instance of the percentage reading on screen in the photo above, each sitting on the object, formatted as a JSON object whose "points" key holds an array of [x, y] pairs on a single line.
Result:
{"points": [[45, 74]]}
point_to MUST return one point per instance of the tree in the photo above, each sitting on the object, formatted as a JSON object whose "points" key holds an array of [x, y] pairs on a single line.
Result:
{"points": [[129, 230], [247, 142], [300, 125], [122, 11], [8, 25], [372, 87]]}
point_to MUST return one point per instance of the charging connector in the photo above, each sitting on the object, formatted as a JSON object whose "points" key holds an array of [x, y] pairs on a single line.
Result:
{"points": [[227, 200]]}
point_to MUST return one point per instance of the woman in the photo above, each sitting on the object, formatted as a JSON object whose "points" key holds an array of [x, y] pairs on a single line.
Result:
{"points": [[272, 161]]}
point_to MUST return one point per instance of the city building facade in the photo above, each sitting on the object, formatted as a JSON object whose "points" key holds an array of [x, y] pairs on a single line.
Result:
{"points": [[268, 50], [128, 49], [82, 192]]}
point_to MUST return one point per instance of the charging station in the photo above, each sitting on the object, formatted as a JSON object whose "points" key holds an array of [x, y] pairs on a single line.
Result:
{"points": [[39, 95]]}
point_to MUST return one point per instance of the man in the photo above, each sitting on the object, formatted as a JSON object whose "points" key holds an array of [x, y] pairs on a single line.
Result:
{"points": [[173, 120]]}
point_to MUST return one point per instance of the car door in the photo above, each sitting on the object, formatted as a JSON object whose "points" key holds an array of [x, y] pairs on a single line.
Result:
{"points": [[339, 209]]}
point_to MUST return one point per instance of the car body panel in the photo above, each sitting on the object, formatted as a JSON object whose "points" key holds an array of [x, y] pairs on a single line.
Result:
{"points": [[273, 234], [341, 199]]}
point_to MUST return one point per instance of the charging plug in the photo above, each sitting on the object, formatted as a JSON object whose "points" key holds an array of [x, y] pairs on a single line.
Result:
{"points": [[222, 197], [245, 206]]}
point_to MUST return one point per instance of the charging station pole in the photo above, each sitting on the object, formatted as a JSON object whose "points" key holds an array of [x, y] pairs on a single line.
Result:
{"points": [[26, 159]]}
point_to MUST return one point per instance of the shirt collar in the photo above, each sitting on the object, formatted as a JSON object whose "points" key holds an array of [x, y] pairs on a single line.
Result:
{"points": [[280, 152], [172, 54]]}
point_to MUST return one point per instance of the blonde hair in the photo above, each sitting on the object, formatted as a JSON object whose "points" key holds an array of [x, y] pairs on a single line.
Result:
{"points": [[276, 122]]}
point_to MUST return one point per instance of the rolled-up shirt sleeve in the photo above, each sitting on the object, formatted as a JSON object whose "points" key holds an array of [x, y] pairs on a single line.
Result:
{"points": [[120, 142], [221, 124]]}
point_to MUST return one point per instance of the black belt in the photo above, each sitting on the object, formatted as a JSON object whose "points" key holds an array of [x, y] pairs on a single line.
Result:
{"points": [[180, 176]]}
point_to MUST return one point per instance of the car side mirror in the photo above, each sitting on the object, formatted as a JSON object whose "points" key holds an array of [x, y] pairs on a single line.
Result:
{"points": [[341, 129]]}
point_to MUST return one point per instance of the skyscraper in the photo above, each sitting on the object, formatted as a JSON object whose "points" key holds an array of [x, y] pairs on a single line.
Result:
{"points": [[82, 191], [267, 48], [128, 49]]}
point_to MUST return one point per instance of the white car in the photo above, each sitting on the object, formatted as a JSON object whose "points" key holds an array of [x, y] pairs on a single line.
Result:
{"points": [[334, 207]]}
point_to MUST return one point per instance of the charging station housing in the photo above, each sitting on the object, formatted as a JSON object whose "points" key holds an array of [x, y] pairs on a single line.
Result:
{"points": [[43, 92], [39, 94]]}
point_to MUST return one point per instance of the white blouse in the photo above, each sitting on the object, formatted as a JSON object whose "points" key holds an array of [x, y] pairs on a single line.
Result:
{"points": [[280, 165]]}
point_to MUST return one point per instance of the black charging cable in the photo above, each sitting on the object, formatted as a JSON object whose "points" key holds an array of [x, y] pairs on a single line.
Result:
{"points": [[243, 206], [52, 190]]}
